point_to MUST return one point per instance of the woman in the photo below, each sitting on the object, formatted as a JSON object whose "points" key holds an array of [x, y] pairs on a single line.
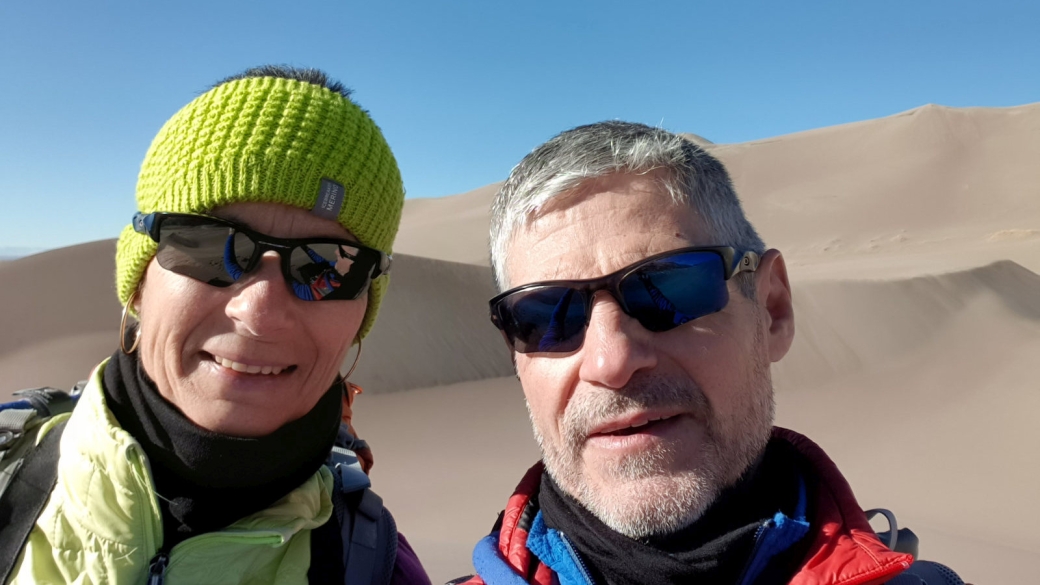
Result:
{"points": [[267, 208]]}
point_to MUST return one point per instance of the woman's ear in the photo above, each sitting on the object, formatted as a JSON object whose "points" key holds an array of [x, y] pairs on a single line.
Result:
{"points": [[135, 298]]}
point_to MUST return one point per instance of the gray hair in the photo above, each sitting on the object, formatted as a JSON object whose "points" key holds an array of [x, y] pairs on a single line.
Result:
{"points": [[694, 178]]}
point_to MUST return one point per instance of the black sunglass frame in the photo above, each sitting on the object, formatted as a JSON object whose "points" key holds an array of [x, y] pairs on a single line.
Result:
{"points": [[732, 265], [150, 224]]}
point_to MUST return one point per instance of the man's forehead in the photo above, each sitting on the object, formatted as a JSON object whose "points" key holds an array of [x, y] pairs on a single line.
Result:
{"points": [[600, 228]]}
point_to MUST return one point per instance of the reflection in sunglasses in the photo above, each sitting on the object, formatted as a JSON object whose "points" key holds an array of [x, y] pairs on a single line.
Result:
{"points": [[555, 334], [321, 277], [219, 253], [178, 240], [345, 258], [661, 301]]}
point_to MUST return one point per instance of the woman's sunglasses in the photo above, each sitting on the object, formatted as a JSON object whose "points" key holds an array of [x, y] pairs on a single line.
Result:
{"points": [[661, 292], [219, 252]]}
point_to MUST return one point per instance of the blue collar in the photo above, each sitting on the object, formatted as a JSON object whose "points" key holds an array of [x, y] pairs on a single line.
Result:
{"points": [[777, 535]]}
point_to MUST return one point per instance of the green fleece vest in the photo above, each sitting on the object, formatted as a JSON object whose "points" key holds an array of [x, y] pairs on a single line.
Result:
{"points": [[102, 523]]}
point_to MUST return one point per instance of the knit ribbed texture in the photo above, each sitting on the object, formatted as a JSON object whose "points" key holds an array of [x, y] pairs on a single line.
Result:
{"points": [[271, 140]]}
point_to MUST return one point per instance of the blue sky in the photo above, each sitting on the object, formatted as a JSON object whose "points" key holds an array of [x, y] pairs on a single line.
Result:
{"points": [[463, 90]]}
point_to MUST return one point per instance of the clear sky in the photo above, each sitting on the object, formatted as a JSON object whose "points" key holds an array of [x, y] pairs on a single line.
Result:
{"points": [[462, 90]]}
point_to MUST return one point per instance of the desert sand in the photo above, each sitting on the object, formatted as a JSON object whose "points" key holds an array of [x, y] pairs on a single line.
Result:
{"points": [[913, 243]]}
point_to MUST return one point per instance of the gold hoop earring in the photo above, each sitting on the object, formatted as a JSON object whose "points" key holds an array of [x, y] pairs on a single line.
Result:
{"points": [[357, 358], [122, 328]]}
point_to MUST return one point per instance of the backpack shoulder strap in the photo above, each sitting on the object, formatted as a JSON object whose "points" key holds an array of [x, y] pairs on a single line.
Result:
{"points": [[21, 421], [368, 530], [372, 550], [28, 491], [905, 541], [895, 538]]}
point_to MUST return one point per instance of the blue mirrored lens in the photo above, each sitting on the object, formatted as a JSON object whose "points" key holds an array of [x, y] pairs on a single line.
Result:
{"points": [[550, 319], [666, 293]]}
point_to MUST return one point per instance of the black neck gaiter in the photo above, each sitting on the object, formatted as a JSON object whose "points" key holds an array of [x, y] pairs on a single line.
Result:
{"points": [[205, 480], [714, 549]]}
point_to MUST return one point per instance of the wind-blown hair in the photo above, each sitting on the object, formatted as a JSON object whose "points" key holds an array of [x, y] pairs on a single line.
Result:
{"points": [[304, 74], [693, 178]]}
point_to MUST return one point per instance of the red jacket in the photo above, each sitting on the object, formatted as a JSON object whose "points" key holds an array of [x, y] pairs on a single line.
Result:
{"points": [[843, 551]]}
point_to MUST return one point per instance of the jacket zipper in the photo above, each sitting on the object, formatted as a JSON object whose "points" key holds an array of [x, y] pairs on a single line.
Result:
{"points": [[159, 564], [157, 568], [574, 555], [754, 552]]}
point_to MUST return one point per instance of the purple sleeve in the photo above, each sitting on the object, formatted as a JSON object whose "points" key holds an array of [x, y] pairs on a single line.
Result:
{"points": [[408, 570]]}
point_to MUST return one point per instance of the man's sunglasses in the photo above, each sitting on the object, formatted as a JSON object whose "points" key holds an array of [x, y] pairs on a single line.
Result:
{"points": [[661, 292], [219, 252]]}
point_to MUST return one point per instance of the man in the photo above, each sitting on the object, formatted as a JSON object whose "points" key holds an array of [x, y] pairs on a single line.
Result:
{"points": [[643, 311]]}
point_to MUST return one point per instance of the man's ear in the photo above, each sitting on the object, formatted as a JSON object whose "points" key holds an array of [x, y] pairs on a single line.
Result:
{"points": [[773, 292]]}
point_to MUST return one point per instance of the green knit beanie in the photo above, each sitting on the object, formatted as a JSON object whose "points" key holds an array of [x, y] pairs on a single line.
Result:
{"points": [[271, 140]]}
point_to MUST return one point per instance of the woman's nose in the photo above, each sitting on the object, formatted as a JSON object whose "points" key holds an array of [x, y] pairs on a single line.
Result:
{"points": [[261, 303]]}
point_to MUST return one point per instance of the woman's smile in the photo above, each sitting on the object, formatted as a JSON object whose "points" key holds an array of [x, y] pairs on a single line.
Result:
{"points": [[250, 367]]}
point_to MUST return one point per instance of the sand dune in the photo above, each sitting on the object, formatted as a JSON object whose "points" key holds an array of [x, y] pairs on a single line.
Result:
{"points": [[447, 459], [925, 170], [450, 228], [913, 243], [845, 327], [953, 184], [60, 316], [928, 402], [433, 329]]}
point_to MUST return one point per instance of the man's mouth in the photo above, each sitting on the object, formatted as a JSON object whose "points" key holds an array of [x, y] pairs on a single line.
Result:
{"points": [[630, 425], [261, 369]]}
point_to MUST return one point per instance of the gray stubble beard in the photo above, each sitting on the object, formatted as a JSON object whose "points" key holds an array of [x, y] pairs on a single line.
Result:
{"points": [[648, 500]]}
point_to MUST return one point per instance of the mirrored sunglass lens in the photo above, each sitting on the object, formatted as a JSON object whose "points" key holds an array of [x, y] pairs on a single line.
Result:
{"points": [[206, 251], [548, 319], [666, 293], [238, 251], [327, 271]]}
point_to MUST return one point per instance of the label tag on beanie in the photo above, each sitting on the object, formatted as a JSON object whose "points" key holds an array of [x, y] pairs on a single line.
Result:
{"points": [[330, 200]]}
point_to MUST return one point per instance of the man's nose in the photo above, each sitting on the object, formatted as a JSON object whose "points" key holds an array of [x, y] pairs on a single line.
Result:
{"points": [[261, 303], [616, 346]]}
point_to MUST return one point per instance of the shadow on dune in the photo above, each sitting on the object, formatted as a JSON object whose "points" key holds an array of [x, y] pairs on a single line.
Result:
{"points": [[846, 326]]}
